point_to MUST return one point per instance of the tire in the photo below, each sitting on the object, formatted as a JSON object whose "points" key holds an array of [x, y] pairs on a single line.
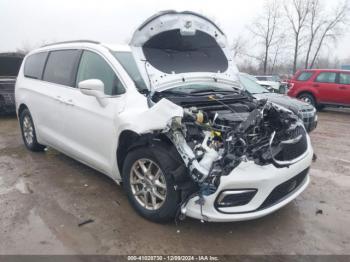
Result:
{"points": [[28, 132], [320, 107], [153, 159], [2, 104], [308, 98]]}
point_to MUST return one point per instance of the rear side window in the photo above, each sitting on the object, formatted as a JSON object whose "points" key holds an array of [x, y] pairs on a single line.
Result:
{"points": [[34, 65], [326, 77], [61, 67], [304, 76], [344, 79], [93, 66]]}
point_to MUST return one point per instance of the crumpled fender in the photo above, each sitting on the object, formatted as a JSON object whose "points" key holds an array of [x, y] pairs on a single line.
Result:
{"points": [[155, 118], [142, 120]]}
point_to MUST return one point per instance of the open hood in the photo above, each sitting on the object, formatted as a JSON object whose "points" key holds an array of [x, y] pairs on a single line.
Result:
{"points": [[171, 48]]}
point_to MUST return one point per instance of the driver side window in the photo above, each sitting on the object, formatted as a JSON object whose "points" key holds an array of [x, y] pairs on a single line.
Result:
{"points": [[93, 66]]}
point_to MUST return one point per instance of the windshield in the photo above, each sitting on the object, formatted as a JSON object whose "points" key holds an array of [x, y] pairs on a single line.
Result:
{"points": [[269, 78], [276, 78], [249, 83], [127, 61]]}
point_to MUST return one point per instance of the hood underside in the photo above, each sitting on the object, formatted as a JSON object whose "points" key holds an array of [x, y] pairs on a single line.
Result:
{"points": [[181, 46]]}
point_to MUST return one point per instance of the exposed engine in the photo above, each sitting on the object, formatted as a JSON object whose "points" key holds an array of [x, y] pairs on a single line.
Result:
{"points": [[214, 139]]}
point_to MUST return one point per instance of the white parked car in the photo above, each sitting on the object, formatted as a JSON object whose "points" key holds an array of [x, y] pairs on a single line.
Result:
{"points": [[167, 118], [271, 83]]}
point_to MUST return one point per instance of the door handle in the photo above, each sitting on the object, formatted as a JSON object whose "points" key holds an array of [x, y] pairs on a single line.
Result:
{"points": [[316, 85], [342, 87], [59, 99], [67, 102], [70, 102]]}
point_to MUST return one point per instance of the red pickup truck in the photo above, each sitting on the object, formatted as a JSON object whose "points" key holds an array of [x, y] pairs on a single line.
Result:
{"points": [[321, 87]]}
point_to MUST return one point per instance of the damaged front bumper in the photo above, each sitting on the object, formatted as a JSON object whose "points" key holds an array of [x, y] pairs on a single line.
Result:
{"points": [[274, 187]]}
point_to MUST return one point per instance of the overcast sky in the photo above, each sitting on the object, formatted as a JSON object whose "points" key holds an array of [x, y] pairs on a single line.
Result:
{"points": [[29, 23]]}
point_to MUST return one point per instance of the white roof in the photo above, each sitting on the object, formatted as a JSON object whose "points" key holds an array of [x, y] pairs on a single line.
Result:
{"points": [[116, 47], [82, 44]]}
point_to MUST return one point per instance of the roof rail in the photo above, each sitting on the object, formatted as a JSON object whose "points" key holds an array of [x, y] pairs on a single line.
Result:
{"points": [[73, 41]]}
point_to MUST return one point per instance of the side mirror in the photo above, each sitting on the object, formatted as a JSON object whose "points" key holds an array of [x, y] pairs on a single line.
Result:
{"points": [[93, 87]]}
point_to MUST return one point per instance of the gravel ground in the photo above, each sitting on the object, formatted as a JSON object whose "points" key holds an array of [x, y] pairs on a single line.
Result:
{"points": [[44, 196]]}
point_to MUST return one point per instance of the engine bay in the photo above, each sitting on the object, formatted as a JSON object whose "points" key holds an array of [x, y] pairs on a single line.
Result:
{"points": [[218, 132]]}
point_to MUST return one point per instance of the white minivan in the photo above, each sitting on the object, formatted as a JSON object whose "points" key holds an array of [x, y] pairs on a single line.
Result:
{"points": [[167, 117]]}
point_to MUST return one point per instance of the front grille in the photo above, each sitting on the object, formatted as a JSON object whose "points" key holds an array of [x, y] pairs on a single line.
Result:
{"points": [[309, 109], [308, 116], [292, 151], [7, 96], [308, 120], [283, 190]]}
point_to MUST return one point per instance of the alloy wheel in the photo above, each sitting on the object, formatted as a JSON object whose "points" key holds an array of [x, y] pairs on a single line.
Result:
{"points": [[148, 184], [28, 130], [306, 99]]}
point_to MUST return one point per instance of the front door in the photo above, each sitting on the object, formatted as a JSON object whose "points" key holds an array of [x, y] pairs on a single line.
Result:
{"points": [[326, 85], [90, 127]]}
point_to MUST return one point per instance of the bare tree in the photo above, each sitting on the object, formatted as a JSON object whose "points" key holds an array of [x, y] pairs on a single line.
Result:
{"points": [[328, 28], [316, 23], [265, 28], [26, 46], [277, 52], [297, 12], [248, 66], [239, 47]]}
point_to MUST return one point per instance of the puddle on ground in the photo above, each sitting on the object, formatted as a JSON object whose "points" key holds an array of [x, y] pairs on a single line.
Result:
{"points": [[21, 186]]}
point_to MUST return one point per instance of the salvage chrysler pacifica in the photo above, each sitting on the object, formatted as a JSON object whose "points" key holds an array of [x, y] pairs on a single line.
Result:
{"points": [[167, 118]]}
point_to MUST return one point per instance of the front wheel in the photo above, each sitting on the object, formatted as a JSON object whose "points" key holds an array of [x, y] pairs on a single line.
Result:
{"points": [[308, 98], [28, 132], [149, 184]]}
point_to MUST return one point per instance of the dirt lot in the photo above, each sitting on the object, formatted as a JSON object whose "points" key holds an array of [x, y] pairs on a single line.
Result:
{"points": [[44, 196]]}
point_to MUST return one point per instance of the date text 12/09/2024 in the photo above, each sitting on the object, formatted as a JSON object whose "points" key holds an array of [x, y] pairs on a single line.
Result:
{"points": [[173, 258]]}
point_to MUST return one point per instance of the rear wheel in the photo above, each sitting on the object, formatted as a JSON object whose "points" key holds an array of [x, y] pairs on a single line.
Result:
{"points": [[320, 107], [2, 104], [308, 98], [28, 132], [149, 184]]}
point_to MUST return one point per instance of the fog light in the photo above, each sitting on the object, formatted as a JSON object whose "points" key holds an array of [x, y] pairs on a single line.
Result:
{"points": [[233, 198]]}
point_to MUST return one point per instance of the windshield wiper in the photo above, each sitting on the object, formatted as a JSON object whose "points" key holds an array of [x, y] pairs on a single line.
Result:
{"points": [[144, 91], [170, 92], [208, 90]]}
